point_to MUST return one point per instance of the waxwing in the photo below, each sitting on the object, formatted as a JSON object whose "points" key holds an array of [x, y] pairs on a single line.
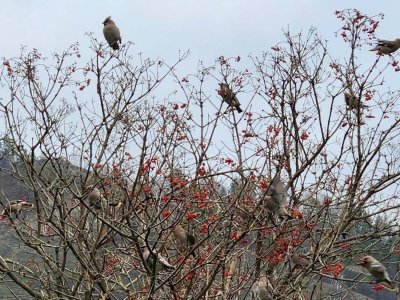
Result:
{"points": [[229, 96], [300, 260], [184, 240], [278, 191], [97, 200], [111, 33], [387, 47], [15, 207], [276, 198], [153, 256], [378, 270], [275, 208], [352, 102]]}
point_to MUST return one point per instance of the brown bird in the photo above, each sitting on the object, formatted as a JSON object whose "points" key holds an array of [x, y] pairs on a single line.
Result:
{"points": [[184, 240], [353, 102], [300, 260], [111, 33], [155, 261], [15, 207], [276, 208], [387, 47], [276, 198], [97, 200], [378, 270], [229, 96], [278, 191]]}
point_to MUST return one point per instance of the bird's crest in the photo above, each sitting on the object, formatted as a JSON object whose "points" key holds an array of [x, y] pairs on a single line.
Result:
{"points": [[106, 20]]}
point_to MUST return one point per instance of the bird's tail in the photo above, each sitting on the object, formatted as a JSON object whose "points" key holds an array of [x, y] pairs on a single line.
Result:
{"points": [[391, 286], [116, 204], [115, 46]]}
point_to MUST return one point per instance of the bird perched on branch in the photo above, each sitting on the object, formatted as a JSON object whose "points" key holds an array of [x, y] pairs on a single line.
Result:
{"points": [[184, 240], [15, 207], [353, 102], [386, 46], [156, 261], [300, 260], [97, 200], [276, 198], [277, 190], [275, 208], [111, 33], [378, 270], [229, 96]]}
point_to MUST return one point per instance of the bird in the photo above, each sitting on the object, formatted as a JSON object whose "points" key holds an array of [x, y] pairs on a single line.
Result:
{"points": [[278, 191], [353, 102], [111, 33], [276, 198], [229, 96], [378, 270], [153, 256], [274, 207], [386, 46], [97, 200], [300, 260], [184, 240], [15, 207], [260, 289]]}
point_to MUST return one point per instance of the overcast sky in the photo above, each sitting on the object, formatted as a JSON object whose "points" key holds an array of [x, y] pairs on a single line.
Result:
{"points": [[209, 28]]}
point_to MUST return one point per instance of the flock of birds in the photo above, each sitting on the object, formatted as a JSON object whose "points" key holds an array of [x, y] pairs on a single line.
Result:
{"points": [[262, 286], [113, 37], [275, 200]]}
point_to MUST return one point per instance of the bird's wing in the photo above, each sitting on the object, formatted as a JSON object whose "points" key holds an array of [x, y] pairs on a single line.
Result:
{"points": [[271, 204], [378, 270], [387, 43], [117, 34], [191, 239], [235, 100], [377, 267]]}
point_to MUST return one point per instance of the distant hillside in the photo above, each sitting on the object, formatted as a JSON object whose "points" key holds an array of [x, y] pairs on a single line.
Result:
{"points": [[10, 188]]}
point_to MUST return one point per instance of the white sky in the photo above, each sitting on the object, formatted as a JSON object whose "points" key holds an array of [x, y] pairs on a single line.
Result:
{"points": [[209, 28]]}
